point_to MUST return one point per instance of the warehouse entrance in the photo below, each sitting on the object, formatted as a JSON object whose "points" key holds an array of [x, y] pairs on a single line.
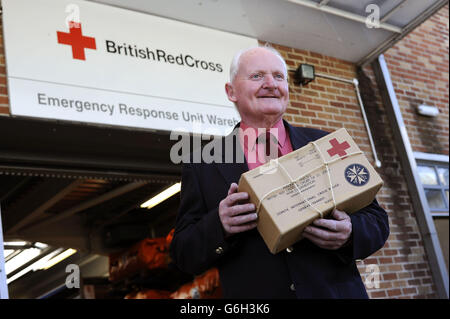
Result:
{"points": [[80, 187]]}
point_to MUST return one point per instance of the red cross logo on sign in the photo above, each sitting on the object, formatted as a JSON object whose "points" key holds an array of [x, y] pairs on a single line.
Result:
{"points": [[338, 148], [76, 40]]}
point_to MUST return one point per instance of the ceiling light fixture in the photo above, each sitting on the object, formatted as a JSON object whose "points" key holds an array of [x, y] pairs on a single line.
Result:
{"points": [[15, 243], [50, 263], [165, 194], [44, 263], [21, 259]]}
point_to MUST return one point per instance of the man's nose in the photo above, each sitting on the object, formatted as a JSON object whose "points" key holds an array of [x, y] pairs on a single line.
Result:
{"points": [[269, 81]]}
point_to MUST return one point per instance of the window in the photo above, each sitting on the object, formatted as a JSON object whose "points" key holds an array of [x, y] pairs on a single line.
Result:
{"points": [[433, 174], [434, 179]]}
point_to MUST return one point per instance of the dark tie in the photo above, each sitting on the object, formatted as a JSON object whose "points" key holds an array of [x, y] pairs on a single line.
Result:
{"points": [[270, 144]]}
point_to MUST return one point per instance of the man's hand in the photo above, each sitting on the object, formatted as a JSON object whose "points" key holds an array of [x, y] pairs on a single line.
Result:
{"points": [[336, 233], [236, 217]]}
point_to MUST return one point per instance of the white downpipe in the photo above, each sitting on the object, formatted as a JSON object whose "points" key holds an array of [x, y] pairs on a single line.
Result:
{"points": [[363, 112]]}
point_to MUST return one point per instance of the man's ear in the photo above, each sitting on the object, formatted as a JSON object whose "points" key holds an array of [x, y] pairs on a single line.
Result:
{"points": [[230, 92]]}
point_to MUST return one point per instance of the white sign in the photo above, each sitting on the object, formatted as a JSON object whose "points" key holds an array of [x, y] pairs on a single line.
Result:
{"points": [[87, 62]]}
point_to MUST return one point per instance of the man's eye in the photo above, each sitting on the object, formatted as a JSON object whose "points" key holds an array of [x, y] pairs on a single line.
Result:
{"points": [[279, 76], [256, 76]]}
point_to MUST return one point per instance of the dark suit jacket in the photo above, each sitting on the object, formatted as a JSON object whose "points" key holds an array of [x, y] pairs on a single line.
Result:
{"points": [[247, 268]]}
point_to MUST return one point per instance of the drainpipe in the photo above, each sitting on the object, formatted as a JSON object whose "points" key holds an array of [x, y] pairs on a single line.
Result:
{"points": [[408, 161], [355, 83]]}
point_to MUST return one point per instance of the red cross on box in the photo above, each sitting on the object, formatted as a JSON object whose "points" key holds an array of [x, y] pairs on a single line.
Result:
{"points": [[338, 148], [76, 40]]}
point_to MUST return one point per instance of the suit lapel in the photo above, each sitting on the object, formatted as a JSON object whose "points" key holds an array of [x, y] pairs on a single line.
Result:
{"points": [[298, 139], [233, 160], [232, 172]]}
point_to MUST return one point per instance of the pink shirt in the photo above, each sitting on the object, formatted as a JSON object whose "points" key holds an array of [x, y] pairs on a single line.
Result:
{"points": [[248, 136]]}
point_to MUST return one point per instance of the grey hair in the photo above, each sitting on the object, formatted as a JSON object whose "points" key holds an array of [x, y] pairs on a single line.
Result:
{"points": [[234, 67]]}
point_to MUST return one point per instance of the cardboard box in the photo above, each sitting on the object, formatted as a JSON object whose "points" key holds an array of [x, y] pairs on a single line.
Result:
{"points": [[286, 208]]}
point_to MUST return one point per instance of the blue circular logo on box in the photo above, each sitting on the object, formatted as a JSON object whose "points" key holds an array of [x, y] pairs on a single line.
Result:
{"points": [[357, 174]]}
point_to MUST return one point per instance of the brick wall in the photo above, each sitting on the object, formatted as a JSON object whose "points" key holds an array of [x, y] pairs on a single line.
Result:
{"points": [[403, 260], [4, 103], [419, 71]]}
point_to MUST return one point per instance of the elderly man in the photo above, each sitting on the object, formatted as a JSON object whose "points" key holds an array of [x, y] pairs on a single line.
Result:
{"points": [[216, 224]]}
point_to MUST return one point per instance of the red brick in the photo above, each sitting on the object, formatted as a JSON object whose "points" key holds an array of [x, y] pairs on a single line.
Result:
{"points": [[307, 113], [337, 104], [390, 276], [378, 294], [4, 100], [318, 122], [414, 282], [407, 291], [4, 110], [385, 260], [292, 111], [390, 252], [314, 107], [394, 292]]}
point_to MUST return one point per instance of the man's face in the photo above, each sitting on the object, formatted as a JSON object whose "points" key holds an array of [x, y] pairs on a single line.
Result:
{"points": [[260, 88]]}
